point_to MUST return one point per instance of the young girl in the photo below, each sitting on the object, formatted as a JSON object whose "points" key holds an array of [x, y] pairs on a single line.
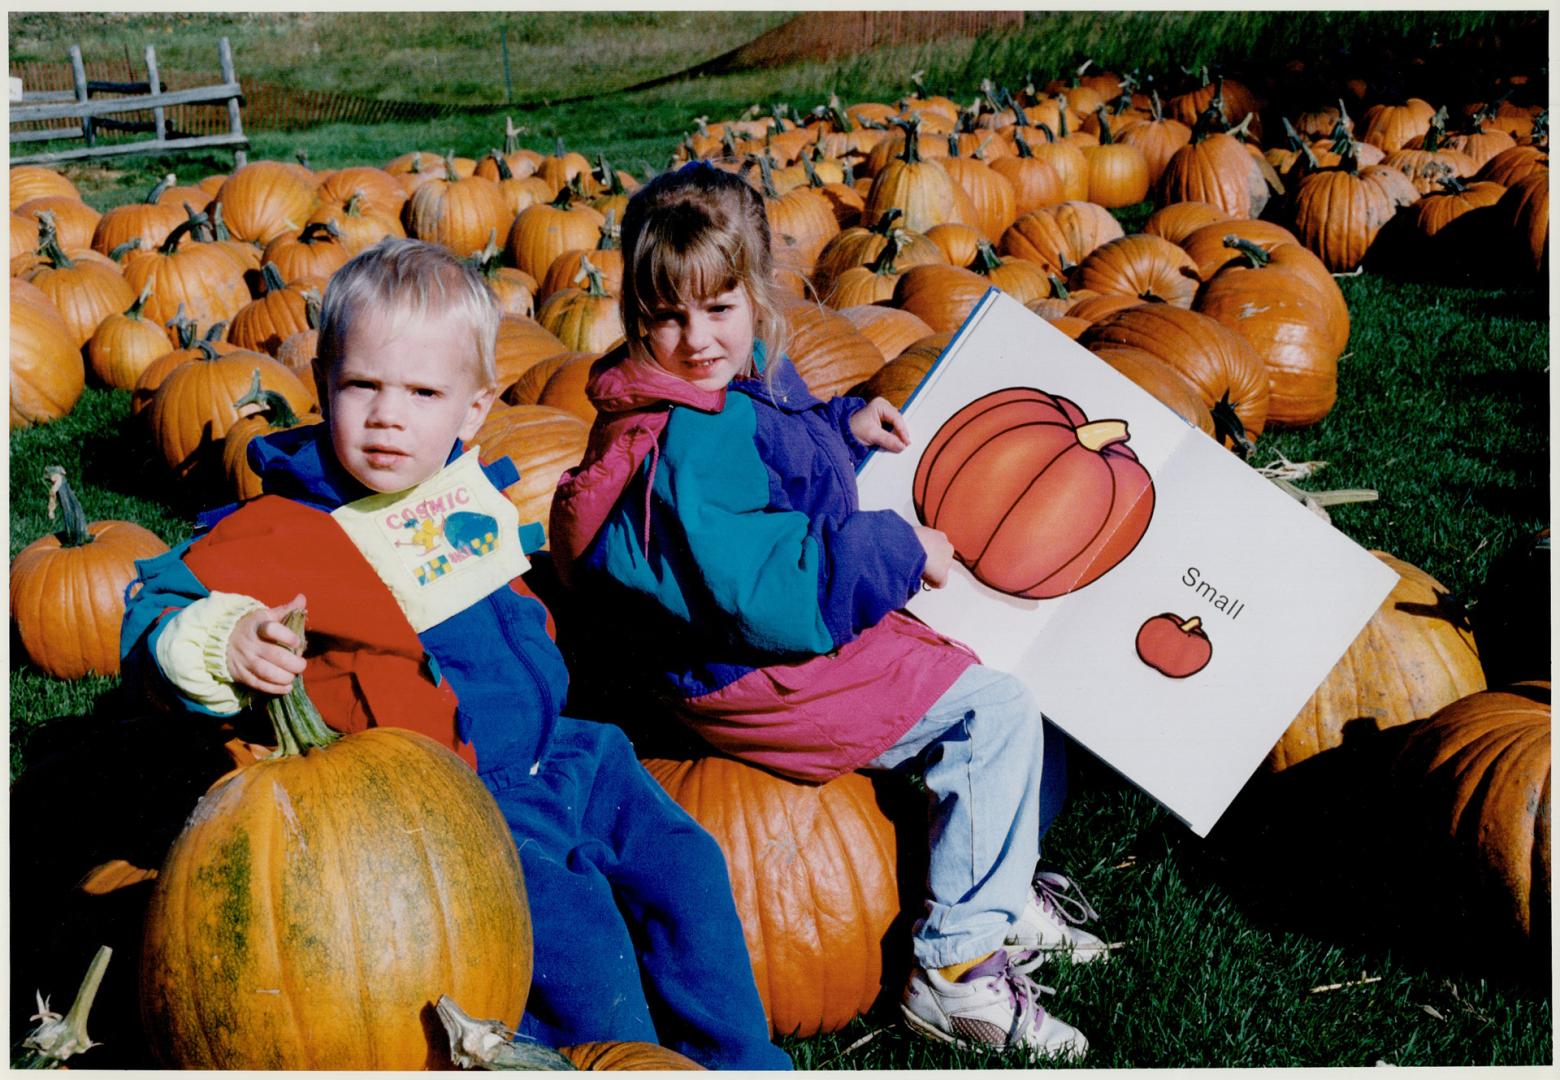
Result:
{"points": [[715, 514]]}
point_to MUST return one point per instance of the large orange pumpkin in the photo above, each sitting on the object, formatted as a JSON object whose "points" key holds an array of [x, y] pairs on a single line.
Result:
{"points": [[542, 442], [827, 351], [919, 186], [1037, 500], [201, 280], [265, 199], [68, 588], [584, 319], [1414, 656], [813, 873], [371, 873], [1476, 778], [47, 374], [1143, 265]]}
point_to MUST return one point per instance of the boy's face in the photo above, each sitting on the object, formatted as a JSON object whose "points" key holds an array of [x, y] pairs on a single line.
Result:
{"points": [[398, 401]]}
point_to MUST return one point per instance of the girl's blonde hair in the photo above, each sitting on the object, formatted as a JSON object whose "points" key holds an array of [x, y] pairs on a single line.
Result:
{"points": [[692, 234], [401, 280]]}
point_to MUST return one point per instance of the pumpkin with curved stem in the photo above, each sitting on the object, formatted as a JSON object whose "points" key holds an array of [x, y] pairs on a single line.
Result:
{"points": [[1222, 365], [871, 283], [826, 350], [316, 873], [149, 221], [47, 373], [1118, 171], [1158, 137], [543, 232], [1062, 236], [265, 199], [606, 257], [68, 588], [74, 221], [192, 410], [1209, 248], [919, 186], [584, 319], [1036, 183], [1067, 160], [185, 350], [262, 325], [1476, 778], [814, 919], [1233, 100], [1142, 265], [801, 223], [1338, 213], [376, 191], [1019, 278], [184, 275], [991, 196], [458, 213], [1438, 209], [83, 292], [271, 412], [860, 245], [1427, 161], [1214, 167], [993, 476], [1284, 316], [316, 250], [1414, 656], [543, 442], [514, 289], [123, 345]]}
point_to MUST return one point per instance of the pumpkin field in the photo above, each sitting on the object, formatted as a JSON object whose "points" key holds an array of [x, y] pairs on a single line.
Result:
{"points": [[1320, 237]]}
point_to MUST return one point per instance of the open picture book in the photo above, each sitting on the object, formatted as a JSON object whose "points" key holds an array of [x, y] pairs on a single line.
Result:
{"points": [[1170, 608]]}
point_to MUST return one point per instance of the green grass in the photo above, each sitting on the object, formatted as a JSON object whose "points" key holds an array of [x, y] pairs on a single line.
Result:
{"points": [[1442, 408]]}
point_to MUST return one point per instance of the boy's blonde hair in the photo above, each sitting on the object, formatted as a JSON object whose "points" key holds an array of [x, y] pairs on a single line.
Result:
{"points": [[403, 280], [692, 234]]}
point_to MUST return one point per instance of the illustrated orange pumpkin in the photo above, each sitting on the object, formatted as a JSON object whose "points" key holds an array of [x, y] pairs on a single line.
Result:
{"points": [[1475, 779], [1414, 656], [1037, 500], [543, 442], [68, 588], [813, 873], [372, 869]]}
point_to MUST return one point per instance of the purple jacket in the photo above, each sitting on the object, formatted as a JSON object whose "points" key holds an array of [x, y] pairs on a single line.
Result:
{"points": [[722, 531]]}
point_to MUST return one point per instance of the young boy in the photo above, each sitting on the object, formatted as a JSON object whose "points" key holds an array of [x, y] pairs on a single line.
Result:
{"points": [[404, 550]]}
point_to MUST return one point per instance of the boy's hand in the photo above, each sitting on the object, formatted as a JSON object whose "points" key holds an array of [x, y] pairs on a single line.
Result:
{"points": [[260, 653], [880, 425], [939, 555]]}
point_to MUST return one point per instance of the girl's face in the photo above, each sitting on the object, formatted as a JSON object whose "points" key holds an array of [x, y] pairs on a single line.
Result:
{"points": [[709, 342]]}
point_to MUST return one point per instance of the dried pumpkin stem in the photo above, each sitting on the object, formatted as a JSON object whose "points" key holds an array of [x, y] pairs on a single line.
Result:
{"points": [[73, 530], [488, 1044], [295, 721], [1102, 433], [57, 1038]]}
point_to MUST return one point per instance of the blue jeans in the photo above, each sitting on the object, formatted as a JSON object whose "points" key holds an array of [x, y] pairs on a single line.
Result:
{"points": [[981, 750]]}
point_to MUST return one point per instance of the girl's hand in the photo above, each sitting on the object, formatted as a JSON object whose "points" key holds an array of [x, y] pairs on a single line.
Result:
{"points": [[939, 555], [260, 653], [880, 425]]}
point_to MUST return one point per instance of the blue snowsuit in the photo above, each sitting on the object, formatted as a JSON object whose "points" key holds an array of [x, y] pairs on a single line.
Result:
{"points": [[635, 929]]}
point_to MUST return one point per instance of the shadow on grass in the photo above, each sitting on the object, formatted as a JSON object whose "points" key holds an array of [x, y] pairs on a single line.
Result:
{"points": [[109, 785], [1331, 848]]}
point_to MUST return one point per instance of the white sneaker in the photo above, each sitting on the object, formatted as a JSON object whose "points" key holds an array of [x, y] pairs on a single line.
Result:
{"points": [[1051, 925], [992, 1004]]}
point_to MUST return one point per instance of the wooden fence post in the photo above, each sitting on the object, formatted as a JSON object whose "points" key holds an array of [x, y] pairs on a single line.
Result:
{"points": [[154, 84], [235, 122], [79, 73]]}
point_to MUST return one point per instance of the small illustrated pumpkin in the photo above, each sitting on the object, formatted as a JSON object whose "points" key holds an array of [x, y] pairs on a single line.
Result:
{"points": [[813, 873], [1476, 776], [1414, 656], [1174, 646], [68, 588], [372, 869], [1037, 500]]}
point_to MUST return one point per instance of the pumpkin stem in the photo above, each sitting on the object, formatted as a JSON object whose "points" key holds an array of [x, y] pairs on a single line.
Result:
{"points": [[214, 334], [768, 178], [170, 246], [119, 253], [1228, 425], [49, 242], [813, 179], [986, 258], [1191, 624], [564, 197], [1106, 138], [595, 286], [504, 171], [912, 130], [134, 311], [271, 404], [311, 308], [158, 188], [272, 277], [57, 1038], [511, 135], [883, 265], [316, 231], [1061, 116], [450, 175], [1099, 434], [488, 1044], [850, 174], [1256, 254], [611, 233], [1059, 288], [295, 721], [219, 228], [1437, 133], [1158, 109], [73, 526], [1050, 137], [183, 327], [1022, 145]]}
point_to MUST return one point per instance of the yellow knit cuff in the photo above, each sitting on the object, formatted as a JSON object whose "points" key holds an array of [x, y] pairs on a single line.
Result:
{"points": [[192, 650]]}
